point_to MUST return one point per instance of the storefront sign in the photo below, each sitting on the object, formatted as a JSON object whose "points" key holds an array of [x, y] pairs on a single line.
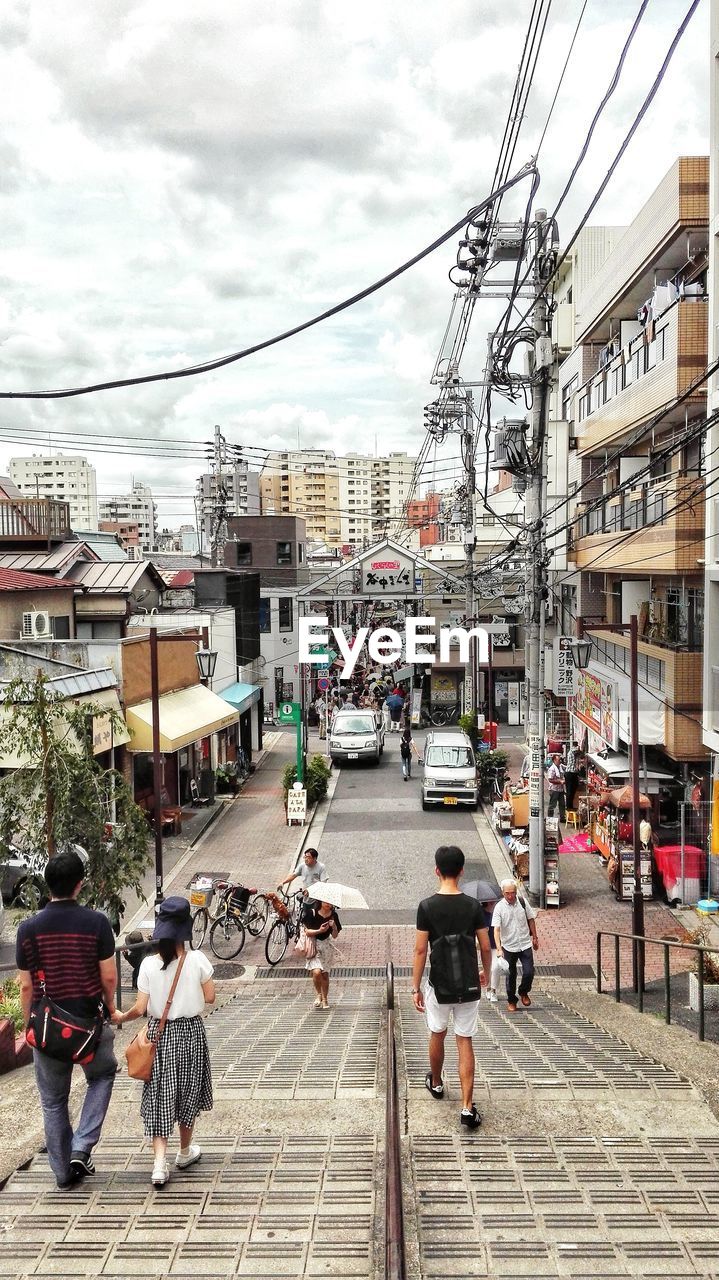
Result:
{"points": [[101, 734], [501, 636], [387, 573], [289, 713], [416, 708], [535, 775], [596, 705], [296, 805], [443, 689], [564, 670]]}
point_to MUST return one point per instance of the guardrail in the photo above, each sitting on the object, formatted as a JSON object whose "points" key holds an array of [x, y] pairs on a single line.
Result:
{"points": [[119, 952], [395, 1267], [639, 942]]}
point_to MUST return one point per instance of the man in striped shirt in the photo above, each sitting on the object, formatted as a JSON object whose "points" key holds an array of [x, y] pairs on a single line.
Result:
{"points": [[74, 948]]}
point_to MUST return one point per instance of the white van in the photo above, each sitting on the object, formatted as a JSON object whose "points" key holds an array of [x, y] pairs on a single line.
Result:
{"points": [[356, 735], [450, 769]]}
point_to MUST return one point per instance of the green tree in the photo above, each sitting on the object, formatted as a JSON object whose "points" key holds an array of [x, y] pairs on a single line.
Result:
{"points": [[60, 794]]}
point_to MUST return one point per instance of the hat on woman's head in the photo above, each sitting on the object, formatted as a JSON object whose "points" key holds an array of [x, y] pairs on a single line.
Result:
{"points": [[173, 920]]}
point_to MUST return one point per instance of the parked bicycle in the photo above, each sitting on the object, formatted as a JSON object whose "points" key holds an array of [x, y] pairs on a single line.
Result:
{"points": [[444, 715], [238, 910], [285, 927]]}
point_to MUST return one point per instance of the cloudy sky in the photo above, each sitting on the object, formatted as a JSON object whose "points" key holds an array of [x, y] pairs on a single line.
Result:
{"points": [[179, 181]]}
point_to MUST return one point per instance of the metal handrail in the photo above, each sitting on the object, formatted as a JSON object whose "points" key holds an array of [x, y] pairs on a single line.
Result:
{"points": [[395, 1267], [638, 942]]}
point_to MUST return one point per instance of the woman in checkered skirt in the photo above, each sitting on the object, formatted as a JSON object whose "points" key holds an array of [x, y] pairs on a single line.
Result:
{"points": [[181, 1083]]}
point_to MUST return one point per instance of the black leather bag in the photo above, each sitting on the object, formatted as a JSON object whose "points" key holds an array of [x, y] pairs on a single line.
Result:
{"points": [[65, 1036]]}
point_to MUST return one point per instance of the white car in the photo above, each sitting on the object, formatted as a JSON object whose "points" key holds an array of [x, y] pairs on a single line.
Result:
{"points": [[449, 776], [356, 735]]}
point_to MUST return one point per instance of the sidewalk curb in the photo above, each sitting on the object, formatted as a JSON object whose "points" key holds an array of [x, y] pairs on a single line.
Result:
{"points": [[306, 831]]}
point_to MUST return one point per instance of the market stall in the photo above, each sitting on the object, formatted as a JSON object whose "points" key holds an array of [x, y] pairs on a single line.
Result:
{"points": [[612, 833]]}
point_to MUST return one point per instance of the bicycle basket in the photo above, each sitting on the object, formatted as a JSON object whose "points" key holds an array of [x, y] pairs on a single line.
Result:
{"points": [[278, 906], [201, 893], [239, 898]]}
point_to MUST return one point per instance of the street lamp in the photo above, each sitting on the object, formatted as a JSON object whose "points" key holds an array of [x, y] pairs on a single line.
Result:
{"points": [[581, 653], [581, 649], [206, 663]]}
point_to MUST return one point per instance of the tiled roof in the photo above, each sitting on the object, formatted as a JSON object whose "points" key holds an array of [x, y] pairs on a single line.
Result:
{"points": [[184, 578], [14, 580]]}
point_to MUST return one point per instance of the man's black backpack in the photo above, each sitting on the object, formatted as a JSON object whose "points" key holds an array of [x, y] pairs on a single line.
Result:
{"points": [[454, 968]]}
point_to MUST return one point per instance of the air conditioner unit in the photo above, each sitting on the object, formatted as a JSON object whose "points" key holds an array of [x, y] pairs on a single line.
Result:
{"points": [[36, 624]]}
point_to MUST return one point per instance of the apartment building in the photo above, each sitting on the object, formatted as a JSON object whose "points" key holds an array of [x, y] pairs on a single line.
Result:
{"points": [[63, 478], [136, 507], [356, 492], [637, 470], [240, 493], [711, 552], [392, 488], [305, 483]]}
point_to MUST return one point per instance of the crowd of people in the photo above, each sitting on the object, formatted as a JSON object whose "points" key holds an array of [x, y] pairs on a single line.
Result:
{"points": [[375, 692]]}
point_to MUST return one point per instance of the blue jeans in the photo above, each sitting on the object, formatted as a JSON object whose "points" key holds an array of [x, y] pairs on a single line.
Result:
{"points": [[525, 986], [407, 768], [53, 1081]]}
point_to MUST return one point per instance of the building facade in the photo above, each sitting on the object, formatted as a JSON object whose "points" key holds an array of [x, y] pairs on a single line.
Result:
{"points": [[136, 507], [63, 477], [637, 443]]}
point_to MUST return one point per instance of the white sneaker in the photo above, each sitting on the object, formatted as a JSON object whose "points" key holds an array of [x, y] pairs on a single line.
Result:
{"points": [[492, 997], [160, 1173], [191, 1156]]}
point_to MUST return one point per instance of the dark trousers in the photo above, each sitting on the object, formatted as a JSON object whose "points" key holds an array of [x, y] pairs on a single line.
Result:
{"points": [[558, 797], [525, 986], [570, 787]]}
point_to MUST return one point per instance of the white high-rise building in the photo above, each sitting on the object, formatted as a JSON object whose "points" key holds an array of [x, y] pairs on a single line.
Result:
{"points": [[136, 507], [65, 477], [391, 490], [355, 499]]}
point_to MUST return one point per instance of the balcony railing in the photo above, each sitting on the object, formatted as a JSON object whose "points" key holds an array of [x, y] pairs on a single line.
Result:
{"points": [[34, 520]]}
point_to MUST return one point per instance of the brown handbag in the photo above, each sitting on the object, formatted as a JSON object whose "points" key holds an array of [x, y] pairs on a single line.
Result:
{"points": [[140, 1053]]}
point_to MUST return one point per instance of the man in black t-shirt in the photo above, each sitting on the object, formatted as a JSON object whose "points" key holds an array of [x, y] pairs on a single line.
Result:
{"points": [[74, 949], [449, 911]]}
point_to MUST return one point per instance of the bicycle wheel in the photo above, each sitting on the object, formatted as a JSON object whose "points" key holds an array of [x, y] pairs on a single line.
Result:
{"points": [[227, 937], [258, 910], [439, 717], [276, 944], [200, 921]]}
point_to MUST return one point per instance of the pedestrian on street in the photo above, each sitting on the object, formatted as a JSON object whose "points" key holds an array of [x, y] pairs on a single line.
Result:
{"points": [[309, 870], [515, 936], [322, 923], [557, 795], [407, 749], [395, 702], [447, 915], [180, 1086], [74, 949], [321, 708]]}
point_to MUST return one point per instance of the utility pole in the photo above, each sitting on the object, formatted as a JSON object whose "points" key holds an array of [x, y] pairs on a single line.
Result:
{"points": [[218, 528], [536, 561], [470, 542]]}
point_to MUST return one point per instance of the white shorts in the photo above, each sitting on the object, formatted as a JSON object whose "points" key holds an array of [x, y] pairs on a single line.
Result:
{"points": [[464, 1016]]}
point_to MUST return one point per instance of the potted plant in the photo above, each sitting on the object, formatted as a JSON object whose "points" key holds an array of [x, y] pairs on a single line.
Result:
{"points": [[710, 963]]}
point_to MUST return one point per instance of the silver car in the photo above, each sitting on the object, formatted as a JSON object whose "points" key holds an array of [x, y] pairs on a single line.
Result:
{"points": [[356, 735]]}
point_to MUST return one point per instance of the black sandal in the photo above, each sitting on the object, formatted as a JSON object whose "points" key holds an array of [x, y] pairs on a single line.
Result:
{"points": [[437, 1090]]}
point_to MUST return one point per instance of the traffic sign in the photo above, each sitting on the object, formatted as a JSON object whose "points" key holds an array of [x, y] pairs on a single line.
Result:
{"points": [[323, 684]]}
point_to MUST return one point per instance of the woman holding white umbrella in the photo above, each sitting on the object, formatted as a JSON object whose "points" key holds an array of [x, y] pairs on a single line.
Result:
{"points": [[322, 924]]}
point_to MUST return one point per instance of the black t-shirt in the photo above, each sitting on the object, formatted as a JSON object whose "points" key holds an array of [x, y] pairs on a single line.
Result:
{"points": [[312, 919], [450, 913], [66, 942]]}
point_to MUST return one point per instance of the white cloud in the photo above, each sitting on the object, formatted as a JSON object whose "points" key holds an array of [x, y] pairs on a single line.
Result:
{"points": [[181, 181]]}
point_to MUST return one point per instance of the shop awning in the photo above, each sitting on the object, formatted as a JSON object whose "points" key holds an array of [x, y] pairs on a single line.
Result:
{"points": [[241, 696], [185, 716]]}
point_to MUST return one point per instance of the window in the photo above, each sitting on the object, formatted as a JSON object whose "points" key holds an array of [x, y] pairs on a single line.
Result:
{"points": [[284, 553], [244, 553], [301, 552], [265, 624], [61, 628], [285, 607]]}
